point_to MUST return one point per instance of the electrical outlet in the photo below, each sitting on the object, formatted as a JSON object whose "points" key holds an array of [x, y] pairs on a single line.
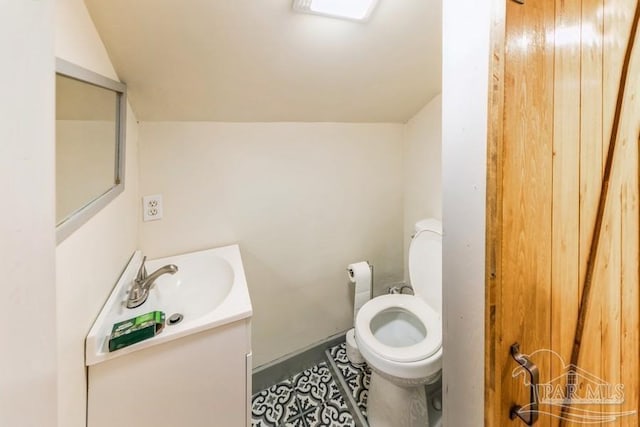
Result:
{"points": [[152, 207]]}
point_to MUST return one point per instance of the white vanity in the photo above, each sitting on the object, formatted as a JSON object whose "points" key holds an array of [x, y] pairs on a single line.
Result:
{"points": [[194, 373]]}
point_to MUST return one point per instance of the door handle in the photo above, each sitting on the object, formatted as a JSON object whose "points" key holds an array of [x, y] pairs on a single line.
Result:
{"points": [[528, 414]]}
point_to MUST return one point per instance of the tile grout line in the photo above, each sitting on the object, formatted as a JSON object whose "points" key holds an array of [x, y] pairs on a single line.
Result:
{"points": [[347, 384], [302, 413], [350, 400], [334, 398]]}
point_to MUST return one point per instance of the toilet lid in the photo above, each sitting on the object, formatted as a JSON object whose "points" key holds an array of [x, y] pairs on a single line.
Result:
{"points": [[410, 307]]}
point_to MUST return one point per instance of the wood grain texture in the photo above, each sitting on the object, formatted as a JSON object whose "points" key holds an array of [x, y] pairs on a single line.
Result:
{"points": [[603, 262], [591, 169], [627, 244], [565, 258], [527, 191], [630, 296], [493, 271], [563, 199], [591, 127]]}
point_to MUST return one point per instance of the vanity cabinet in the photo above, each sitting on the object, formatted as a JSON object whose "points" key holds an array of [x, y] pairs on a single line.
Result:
{"points": [[199, 380]]}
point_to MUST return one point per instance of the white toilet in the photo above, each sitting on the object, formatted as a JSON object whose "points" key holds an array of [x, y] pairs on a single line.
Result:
{"points": [[400, 337]]}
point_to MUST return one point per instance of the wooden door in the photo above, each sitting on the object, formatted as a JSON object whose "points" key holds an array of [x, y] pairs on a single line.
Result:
{"points": [[562, 210]]}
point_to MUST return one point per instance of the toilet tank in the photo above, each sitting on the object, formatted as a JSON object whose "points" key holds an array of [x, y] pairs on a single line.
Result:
{"points": [[425, 262]]}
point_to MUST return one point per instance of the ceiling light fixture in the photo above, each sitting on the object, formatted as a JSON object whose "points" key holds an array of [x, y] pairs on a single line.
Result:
{"points": [[355, 10]]}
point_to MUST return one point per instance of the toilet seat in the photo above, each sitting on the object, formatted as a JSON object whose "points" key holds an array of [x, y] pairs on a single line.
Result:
{"points": [[417, 308]]}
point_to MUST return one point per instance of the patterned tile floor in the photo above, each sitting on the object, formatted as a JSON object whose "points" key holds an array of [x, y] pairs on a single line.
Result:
{"points": [[312, 398], [308, 399], [356, 377]]}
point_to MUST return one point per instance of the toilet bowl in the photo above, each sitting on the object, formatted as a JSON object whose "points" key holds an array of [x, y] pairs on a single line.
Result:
{"points": [[400, 337]]}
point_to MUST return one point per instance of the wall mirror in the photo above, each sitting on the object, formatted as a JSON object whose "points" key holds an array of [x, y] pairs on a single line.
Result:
{"points": [[90, 144]]}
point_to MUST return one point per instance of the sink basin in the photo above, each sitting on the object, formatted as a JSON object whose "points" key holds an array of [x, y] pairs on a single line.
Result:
{"points": [[209, 290], [202, 282]]}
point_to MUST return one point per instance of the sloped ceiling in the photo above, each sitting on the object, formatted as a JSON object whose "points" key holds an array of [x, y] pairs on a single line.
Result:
{"points": [[257, 60]]}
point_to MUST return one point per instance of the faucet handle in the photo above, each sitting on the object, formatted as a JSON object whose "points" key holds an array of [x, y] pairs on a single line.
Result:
{"points": [[142, 271]]}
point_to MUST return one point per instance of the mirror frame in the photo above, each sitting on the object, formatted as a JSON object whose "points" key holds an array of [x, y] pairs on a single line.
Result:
{"points": [[84, 213]]}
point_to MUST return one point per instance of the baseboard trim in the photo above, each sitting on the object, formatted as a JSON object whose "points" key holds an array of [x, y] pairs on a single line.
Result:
{"points": [[286, 366]]}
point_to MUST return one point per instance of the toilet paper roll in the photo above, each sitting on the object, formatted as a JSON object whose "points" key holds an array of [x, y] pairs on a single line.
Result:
{"points": [[353, 354], [360, 274]]}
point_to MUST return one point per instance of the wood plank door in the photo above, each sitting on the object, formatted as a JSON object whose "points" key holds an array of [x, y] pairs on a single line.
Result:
{"points": [[563, 227]]}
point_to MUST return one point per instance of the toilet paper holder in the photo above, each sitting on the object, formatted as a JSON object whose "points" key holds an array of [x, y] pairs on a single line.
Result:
{"points": [[350, 274], [350, 271]]}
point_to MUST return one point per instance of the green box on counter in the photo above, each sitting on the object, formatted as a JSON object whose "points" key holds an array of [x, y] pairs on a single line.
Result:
{"points": [[136, 329]]}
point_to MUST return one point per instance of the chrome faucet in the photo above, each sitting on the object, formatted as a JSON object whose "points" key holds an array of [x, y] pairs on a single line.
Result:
{"points": [[144, 282]]}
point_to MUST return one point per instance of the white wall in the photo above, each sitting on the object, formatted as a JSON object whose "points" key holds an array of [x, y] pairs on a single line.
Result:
{"points": [[465, 73], [422, 165], [92, 258], [27, 242], [303, 200]]}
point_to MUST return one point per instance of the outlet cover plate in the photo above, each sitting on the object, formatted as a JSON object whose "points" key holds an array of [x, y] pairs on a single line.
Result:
{"points": [[152, 207]]}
